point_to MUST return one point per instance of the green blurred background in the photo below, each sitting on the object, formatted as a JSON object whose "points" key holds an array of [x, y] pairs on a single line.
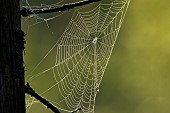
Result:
{"points": [[137, 76]]}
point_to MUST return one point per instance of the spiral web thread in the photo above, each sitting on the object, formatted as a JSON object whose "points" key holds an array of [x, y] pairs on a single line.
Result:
{"points": [[81, 56]]}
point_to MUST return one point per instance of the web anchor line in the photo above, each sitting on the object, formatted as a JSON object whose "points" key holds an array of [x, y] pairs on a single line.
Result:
{"points": [[27, 11]]}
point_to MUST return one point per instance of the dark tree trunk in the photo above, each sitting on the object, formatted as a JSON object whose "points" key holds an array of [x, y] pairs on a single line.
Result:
{"points": [[12, 93]]}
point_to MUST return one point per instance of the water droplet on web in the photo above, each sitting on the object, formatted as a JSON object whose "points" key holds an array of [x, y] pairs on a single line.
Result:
{"points": [[95, 40]]}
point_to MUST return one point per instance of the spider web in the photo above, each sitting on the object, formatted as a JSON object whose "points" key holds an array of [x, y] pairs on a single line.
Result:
{"points": [[80, 57]]}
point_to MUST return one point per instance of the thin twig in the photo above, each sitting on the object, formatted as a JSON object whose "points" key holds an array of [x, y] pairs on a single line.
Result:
{"points": [[28, 11], [31, 92]]}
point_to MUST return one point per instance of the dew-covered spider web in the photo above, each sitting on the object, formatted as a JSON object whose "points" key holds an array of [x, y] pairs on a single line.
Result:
{"points": [[77, 61]]}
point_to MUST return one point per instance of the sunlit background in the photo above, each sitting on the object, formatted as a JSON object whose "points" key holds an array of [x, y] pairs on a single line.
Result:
{"points": [[136, 79]]}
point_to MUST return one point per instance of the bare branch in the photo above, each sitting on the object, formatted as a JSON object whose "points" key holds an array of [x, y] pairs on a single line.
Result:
{"points": [[31, 92], [27, 11]]}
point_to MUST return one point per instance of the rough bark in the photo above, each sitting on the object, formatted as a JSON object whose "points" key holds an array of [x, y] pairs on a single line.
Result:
{"points": [[12, 94]]}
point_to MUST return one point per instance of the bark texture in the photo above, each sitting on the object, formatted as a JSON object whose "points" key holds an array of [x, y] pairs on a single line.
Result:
{"points": [[12, 94]]}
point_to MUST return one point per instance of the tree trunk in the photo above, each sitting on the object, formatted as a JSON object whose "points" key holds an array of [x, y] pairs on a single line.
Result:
{"points": [[12, 93]]}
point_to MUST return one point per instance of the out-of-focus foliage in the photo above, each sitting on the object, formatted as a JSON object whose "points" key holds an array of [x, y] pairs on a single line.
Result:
{"points": [[137, 77]]}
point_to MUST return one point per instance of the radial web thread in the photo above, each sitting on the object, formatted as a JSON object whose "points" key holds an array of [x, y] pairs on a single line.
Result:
{"points": [[81, 56]]}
